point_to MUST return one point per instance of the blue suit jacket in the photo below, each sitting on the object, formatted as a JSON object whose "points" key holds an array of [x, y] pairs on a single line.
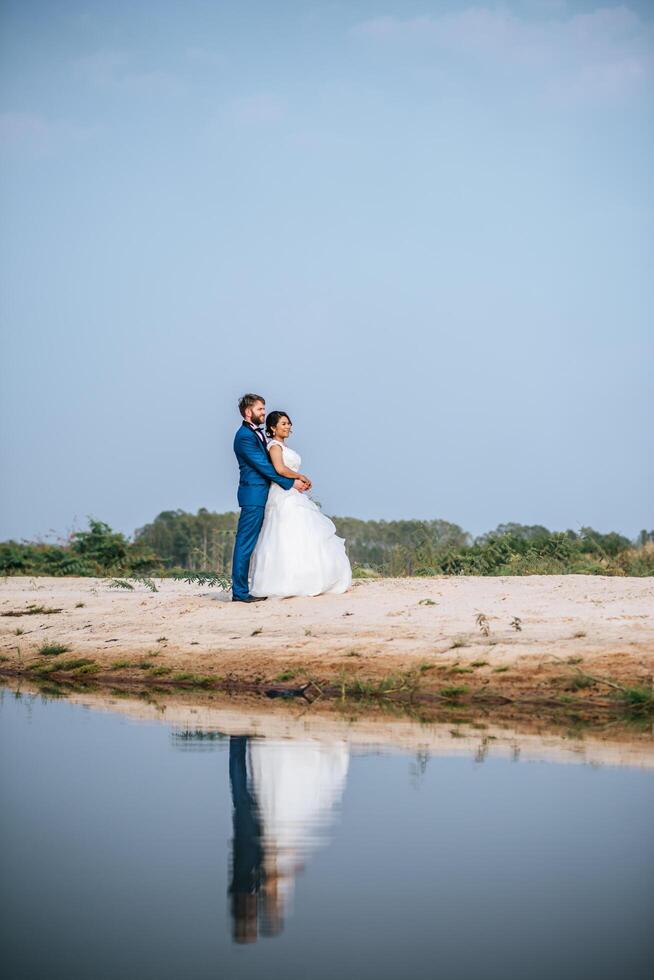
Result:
{"points": [[256, 470]]}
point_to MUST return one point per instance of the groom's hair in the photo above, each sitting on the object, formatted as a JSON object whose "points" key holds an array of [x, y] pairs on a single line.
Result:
{"points": [[247, 401]]}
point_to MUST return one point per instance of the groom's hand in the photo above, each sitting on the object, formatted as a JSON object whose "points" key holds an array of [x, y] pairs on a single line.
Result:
{"points": [[300, 485], [305, 479]]}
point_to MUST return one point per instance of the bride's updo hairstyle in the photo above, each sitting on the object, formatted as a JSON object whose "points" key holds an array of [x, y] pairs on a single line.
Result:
{"points": [[272, 419]]}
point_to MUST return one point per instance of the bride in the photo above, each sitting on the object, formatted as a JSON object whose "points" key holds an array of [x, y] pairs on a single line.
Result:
{"points": [[298, 552]]}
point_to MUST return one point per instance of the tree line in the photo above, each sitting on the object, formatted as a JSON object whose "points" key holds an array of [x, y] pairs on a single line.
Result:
{"points": [[177, 541]]}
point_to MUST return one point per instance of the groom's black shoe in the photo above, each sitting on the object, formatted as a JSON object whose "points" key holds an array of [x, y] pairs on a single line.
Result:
{"points": [[251, 598]]}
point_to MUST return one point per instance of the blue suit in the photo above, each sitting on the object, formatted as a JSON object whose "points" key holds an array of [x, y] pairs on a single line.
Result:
{"points": [[256, 475]]}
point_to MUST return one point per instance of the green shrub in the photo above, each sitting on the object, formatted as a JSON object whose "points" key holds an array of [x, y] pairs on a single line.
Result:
{"points": [[200, 546], [53, 649]]}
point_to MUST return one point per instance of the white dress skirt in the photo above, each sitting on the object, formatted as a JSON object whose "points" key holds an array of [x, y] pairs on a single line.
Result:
{"points": [[298, 551]]}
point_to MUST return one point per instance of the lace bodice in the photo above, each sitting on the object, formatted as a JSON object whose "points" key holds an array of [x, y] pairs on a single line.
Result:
{"points": [[289, 457]]}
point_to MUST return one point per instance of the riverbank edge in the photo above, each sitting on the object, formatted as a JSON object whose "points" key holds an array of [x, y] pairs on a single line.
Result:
{"points": [[596, 695]]}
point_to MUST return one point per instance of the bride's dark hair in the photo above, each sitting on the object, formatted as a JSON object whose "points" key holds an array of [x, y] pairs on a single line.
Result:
{"points": [[273, 418]]}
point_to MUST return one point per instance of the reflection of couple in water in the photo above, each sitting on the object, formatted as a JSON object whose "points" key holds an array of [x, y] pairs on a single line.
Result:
{"points": [[284, 795]]}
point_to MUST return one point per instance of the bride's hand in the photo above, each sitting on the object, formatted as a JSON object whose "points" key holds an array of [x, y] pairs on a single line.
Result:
{"points": [[301, 485], [305, 479]]}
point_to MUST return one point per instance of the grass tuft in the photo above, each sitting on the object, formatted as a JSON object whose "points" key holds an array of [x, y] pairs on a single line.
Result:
{"points": [[391, 684], [87, 669], [197, 680], [639, 697], [578, 682], [454, 691], [53, 649], [205, 578], [482, 622], [42, 667], [32, 611]]}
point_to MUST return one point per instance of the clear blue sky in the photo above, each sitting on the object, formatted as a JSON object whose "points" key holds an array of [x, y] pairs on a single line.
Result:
{"points": [[423, 229]]}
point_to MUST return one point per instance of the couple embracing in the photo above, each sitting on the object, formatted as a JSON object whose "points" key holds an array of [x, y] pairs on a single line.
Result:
{"points": [[284, 545]]}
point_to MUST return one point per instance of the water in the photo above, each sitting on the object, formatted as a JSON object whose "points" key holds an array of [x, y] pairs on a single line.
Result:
{"points": [[130, 851]]}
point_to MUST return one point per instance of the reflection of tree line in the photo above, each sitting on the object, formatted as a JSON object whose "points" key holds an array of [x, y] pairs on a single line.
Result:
{"points": [[283, 794]]}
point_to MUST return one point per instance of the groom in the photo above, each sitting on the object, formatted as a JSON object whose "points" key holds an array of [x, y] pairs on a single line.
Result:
{"points": [[256, 475]]}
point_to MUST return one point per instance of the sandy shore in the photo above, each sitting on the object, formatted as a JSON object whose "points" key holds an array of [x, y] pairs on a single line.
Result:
{"points": [[380, 627]]}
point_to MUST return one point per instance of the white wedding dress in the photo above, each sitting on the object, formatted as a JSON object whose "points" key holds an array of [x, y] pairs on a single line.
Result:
{"points": [[298, 551]]}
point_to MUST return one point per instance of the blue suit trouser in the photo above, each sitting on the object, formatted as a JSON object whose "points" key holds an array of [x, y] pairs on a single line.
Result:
{"points": [[249, 525]]}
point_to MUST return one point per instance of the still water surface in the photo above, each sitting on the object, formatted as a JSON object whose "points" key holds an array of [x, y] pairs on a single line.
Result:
{"points": [[131, 850]]}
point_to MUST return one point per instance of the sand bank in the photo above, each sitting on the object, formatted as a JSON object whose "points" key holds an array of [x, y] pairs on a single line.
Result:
{"points": [[538, 631]]}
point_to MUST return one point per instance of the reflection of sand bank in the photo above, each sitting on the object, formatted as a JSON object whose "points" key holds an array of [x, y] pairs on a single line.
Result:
{"points": [[615, 746]]}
